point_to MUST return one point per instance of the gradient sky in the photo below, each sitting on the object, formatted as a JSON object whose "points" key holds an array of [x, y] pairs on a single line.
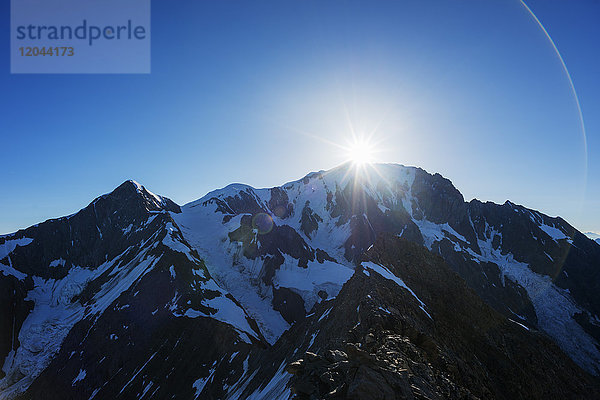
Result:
{"points": [[261, 93]]}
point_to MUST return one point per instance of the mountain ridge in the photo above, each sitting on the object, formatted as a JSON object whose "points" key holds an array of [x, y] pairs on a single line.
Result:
{"points": [[256, 263], [436, 207]]}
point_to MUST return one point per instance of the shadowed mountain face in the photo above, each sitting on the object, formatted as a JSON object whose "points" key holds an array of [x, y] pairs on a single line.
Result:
{"points": [[351, 283], [398, 335]]}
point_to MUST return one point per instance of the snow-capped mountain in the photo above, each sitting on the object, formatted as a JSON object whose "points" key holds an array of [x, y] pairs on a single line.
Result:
{"points": [[135, 296], [88, 292]]}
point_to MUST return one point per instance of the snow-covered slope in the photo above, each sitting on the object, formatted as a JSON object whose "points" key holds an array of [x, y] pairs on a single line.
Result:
{"points": [[258, 242]]}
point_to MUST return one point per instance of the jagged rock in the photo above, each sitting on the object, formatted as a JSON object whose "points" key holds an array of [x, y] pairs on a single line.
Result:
{"points": [[474, 353]]}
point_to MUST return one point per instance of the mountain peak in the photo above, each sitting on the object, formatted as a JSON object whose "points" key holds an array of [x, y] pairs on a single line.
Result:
{"points": [[131, 184], [131, 189], [128, 186]]}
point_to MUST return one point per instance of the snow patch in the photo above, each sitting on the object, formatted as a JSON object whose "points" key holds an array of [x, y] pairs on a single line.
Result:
{"points": [[227, 311], [80, 376], [387, 274], [433, 232], [555, 233], [199, 384], [57, 263], [307, 282], [10, 271], [276, 388], [10, 245]]}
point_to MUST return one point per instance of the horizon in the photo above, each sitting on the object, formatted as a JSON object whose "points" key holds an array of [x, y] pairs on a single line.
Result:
{"points": [[370, 164], [263, 93]]}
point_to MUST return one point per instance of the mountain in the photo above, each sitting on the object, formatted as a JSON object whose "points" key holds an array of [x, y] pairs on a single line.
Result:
{"points": [[594, 236], [379, 282], [100, 293]]}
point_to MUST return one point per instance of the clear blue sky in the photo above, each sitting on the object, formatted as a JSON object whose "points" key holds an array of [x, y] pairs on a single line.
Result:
{"points": [[256, 92]]}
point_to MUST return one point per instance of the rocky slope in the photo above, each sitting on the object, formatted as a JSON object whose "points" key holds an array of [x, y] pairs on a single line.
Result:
{"points": [[134, 296], [398, 336]]}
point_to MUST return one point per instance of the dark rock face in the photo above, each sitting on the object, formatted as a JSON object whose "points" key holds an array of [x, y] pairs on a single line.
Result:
{"points": [[485, 278], [279, 203], [309, 221], [289, 304], [375, 342], [272, 244], [446, 206], [245, 202], [129, 351], [13, 311]]}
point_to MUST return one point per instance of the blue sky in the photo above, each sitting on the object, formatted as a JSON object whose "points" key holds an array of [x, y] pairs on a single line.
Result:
{"points": [[260, 93]]}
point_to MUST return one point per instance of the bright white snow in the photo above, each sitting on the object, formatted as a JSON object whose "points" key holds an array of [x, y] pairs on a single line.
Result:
{"points": [[307, 282], [555, 233]]}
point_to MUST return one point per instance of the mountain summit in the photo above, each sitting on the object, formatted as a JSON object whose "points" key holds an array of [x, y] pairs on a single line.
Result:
{"points": [[365, 283]]}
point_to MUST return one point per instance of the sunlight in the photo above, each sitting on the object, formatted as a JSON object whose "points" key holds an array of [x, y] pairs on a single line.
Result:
{"points": [[360, 152]]}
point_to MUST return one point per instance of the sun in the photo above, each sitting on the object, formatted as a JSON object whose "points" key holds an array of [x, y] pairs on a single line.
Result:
{"points": [[360, 152]]}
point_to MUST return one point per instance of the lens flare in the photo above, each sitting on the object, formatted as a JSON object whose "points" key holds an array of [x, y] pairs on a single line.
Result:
{"points": [[262, 223]]}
